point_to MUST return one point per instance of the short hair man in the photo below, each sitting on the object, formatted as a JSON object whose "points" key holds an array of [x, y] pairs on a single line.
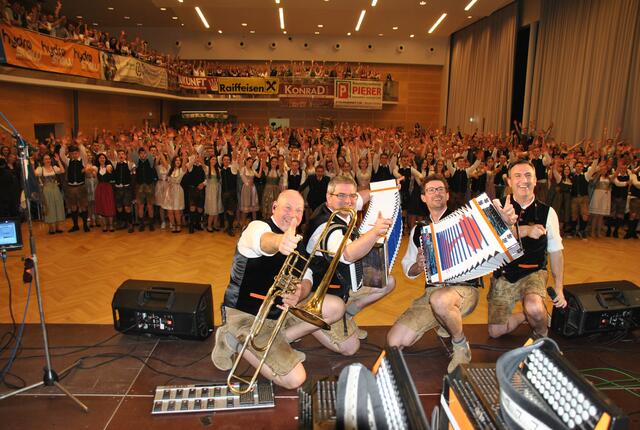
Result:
{"points": [[525, 278], [343, 337], [443, 305], [260, 254]]}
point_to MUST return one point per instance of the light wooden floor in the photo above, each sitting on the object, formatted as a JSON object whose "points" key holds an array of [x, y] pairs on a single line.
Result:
{"points": [[79, 272]]}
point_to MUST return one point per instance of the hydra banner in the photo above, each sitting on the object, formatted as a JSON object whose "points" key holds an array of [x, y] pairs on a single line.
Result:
{"points": [[352, 94], [31, 50], [255, 86], [128, 69]]}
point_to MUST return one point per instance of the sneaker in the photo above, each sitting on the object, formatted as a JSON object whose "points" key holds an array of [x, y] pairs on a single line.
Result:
{"points": [[442, 332], [163, 225], [222, 354], [461, 355]]}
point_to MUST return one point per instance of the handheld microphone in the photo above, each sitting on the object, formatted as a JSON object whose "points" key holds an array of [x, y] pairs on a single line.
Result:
{"points": [[552, 293]]}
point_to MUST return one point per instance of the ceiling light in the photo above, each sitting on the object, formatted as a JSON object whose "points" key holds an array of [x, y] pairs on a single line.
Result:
{"points": [[469, 17], [110, 8], [349, 34], [127, 17], [320, 25], [277, 1], [202, 18], [281, 13], [374, 3], [412, 35], [284, 31], [360, 19], [95, 23], [244, 24], [139, 24], [470, 5], [252, 31], [317, 32], [180, 1], [220, 31], [395, 28], [442, 17], [174, 17], [79, 16], [422, 3], [182, 24], [380, 34], [163, 8]]}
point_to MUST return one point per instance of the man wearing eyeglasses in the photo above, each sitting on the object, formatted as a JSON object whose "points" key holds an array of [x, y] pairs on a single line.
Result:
{"points": [[440, 305], [344, 336]]}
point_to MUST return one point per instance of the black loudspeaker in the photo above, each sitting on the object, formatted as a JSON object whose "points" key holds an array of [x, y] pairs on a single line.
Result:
{"points": [[597, 307], [163, 308]]}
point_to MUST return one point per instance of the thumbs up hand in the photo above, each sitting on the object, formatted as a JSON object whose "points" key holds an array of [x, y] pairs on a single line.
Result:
{"points": [[507, 212], [289, 240]]}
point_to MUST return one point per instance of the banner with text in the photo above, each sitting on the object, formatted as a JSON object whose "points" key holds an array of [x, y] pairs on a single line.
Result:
{"points": [[128, 69], [353, 94], [208, 83], [255, 86], [31, 50], [306, 92]]}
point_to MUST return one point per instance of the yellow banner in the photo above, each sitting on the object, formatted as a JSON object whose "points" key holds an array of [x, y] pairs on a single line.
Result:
{"points": [[258, 86], [31, 50]]}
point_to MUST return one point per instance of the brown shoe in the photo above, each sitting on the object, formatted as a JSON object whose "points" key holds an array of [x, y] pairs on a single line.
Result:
{"points": [[222, 354]]}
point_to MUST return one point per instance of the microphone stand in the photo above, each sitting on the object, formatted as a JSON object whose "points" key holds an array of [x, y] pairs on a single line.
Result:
{"points": [[50, 377]]}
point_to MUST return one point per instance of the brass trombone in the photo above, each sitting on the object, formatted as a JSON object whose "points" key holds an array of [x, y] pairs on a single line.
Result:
{"points": [[285, 283]]}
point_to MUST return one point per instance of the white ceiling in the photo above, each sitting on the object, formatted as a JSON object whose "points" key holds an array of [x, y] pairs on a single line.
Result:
{"points": [[302, 17]]}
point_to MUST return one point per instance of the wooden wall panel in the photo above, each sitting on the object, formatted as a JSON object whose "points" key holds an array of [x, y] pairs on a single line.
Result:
{"points": [[115, 111], [26, 105]]}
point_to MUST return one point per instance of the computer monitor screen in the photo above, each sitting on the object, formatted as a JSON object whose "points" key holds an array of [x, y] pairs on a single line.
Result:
{"points": [[10, 234]]}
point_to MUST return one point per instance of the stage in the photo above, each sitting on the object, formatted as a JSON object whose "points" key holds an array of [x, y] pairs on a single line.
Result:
{"points": [[119, 393]]}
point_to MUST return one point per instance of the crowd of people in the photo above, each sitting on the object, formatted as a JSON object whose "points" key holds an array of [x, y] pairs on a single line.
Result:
{"points": [[79, 30], [221, 176]]}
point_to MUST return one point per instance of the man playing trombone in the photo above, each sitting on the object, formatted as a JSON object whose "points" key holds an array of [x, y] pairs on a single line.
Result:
{"points": [[260, 254], [346, 284]]}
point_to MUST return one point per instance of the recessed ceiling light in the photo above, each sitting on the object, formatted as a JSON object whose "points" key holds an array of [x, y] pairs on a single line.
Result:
{"points": [[127, 17], [220, 31], [349, 34], [422, 3], [470, 5], [281, 14], [202, 17], [412, 35], [110, 8], [284, 32], [180, 1], [469, 17], [79, 16], [163, 8], [174, 17], [277, 1], [360, 19], [380, 34], [244, 24], [182, 24], [395, 28], [320, 25], [317, 32], [252, 31], [433, 28], [374, 3]]}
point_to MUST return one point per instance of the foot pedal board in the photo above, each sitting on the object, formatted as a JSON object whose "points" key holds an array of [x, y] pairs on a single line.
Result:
{"points": [[177, 399]]}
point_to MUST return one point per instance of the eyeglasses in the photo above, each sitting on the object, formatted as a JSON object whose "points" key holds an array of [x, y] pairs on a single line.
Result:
{"points": [[343, 196], [433, 190]]}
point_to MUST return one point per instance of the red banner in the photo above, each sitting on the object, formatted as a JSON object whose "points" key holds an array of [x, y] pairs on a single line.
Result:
{"points": [[31, 50], [207, 83]]}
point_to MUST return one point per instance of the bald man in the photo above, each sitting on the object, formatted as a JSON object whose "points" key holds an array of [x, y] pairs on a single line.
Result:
{"points": [[260, 254]]}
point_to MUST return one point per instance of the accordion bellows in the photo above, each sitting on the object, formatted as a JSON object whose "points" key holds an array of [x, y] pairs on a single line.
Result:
{"points": [[385, 199], [467, 244]]}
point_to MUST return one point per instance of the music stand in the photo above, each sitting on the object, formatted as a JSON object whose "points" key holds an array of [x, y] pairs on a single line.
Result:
{"points": [[50, 377]]}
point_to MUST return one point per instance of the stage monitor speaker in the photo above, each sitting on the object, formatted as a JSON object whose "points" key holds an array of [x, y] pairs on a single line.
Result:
{"points": [[163, 308], [597, 307]]}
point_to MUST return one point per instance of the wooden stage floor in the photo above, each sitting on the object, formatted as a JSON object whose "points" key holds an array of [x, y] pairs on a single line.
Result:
{"points": [[117, 378]]}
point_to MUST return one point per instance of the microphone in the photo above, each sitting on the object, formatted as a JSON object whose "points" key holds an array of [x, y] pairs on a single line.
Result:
{"points": [[552, 293]]}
